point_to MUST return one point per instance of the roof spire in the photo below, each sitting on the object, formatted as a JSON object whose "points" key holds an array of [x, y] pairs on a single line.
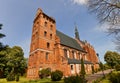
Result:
{"points": [[76, 33]]}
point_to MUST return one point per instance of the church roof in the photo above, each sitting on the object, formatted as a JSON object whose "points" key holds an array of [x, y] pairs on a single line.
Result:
{"points": [[68, 41], [75, 61]]}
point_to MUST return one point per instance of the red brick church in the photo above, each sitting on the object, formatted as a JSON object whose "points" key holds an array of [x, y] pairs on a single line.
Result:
{"points": [[53, 49]]}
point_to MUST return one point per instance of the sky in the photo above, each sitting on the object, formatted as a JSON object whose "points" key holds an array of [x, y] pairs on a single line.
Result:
{"points": [[17, 18]]}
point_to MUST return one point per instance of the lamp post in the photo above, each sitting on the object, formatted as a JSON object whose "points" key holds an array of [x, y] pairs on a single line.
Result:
{"points": [[100, 63]]}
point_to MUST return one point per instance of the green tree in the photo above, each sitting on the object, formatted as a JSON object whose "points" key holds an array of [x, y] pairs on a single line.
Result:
{"points": [[3, 54], [1, 36], [2, 62], [16, 63], [16, 60], [12, 61], [112, 58], [82, 72]]}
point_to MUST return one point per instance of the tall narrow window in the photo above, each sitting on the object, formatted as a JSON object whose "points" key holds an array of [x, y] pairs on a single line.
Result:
{"points": [[45, 34], [68, 55], [51, 27], [65, 53], [73, 55], [45, 24], [71, 67], [36, 34], [46, 57], [43, 16], [37, 24], [50, 36], [48, 45], [79, 56]]}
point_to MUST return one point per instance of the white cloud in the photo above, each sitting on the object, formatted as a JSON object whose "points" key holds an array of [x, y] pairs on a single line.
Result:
{"points": [[80, 2], [101, 28]]}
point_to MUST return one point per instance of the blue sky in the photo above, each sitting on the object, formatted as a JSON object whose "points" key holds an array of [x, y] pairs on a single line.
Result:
{"points": [[17, 17]]}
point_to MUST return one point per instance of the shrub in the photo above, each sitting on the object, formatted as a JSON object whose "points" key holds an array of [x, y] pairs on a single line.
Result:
{"points": [[115, 77], [106, 66], [10, 77], [44, 73], [56, 75], [75, 79], [17, 77], [117, 67]]}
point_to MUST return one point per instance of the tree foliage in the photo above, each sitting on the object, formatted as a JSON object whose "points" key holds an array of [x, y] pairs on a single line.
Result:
{"points": [[12, 61], [1, 36], [108, 12], [112, 58], [114, 77], [16, 59]]}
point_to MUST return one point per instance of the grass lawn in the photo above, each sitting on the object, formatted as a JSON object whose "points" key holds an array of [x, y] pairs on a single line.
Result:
{"points": [[105, 81], [24, 80]]}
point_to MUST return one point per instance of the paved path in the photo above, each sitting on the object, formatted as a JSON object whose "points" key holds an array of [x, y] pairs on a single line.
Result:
{"points": [[93, 77]]}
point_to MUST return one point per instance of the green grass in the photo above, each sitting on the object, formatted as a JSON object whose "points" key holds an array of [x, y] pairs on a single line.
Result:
{"points": [[22, 80], [105, 81], [25, 80]]}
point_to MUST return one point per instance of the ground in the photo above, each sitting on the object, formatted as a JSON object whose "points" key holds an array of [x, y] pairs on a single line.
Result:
{"points": [[24, 80], [90, 78]]}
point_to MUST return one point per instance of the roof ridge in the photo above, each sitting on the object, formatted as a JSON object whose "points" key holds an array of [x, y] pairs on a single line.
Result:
{"points": [[65, 34]]}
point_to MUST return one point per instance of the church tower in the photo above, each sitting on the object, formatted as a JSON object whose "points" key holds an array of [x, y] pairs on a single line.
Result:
{"points": [[42, 44]]}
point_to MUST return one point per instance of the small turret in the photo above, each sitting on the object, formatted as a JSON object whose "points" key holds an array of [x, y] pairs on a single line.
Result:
{"points": [[76, 33]]}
